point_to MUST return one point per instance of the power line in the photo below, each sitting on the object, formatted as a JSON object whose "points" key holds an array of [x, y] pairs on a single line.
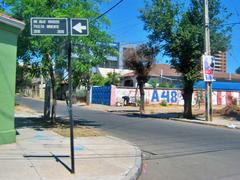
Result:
{"points": [[119, 2], [237, 12], [228, 24]]}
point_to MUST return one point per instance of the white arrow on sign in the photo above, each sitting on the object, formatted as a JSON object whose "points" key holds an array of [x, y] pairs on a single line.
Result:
{"points": [[79, 28]]}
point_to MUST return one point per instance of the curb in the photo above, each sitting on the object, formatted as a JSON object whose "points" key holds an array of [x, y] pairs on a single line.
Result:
{"points": [[187, 121], [202, 123], [135, 171]]}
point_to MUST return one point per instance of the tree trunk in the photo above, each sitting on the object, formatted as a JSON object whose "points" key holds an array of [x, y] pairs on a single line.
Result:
{"points": [[141, 89], [136, 90], [88, 95], [88, 89], [47, 100], [187, 97], [54, 93]]}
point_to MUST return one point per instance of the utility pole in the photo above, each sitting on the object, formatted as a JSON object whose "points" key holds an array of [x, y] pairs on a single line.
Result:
{"points": [[208, 93]]}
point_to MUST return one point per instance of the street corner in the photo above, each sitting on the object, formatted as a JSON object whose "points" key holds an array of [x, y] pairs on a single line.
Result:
{"points": [[122, 159], [134, 156]]}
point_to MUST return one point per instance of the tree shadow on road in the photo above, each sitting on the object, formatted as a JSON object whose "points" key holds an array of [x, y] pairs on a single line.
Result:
{"points": [[38, 123], [156, 115], [169, 115]]}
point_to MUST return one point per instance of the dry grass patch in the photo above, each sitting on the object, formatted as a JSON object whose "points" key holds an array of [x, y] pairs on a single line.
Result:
{"points": [[217, 110], [151, 109], [79, 131], [229, 111], [60, 127], [22, 108]]}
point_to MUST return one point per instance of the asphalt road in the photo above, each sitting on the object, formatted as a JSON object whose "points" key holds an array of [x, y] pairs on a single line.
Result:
{"points": [[171, 150]]}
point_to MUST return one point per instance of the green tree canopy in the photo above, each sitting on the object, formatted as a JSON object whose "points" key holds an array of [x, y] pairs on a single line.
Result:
{"points": [[46, 52], [238, 70], [179, 32]]}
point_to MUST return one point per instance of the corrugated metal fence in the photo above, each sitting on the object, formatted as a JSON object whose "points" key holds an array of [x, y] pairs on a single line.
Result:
{"points": [[101, 95]]}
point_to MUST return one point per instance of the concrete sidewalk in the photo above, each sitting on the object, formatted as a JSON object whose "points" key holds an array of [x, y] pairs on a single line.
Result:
{"points": [[40, 154]]}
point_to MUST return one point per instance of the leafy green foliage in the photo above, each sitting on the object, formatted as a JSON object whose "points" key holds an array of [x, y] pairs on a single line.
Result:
{"points": [[45, 53], [166, 85], [153, 83], [163, 103], [238, 70], [112, 79], [23, 77], [97, 80], [89, 50], [180, 33]]}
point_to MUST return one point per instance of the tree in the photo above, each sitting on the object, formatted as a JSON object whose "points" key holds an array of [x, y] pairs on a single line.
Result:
{"points": [[113, 78], [97, 80], [46, 52], [153, 83], [238, 70], [23, 77], [180, 33], [140, 60], [1, 6]]}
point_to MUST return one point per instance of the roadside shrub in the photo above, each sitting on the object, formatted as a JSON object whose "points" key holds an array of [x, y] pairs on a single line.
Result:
{"points": [[163, 103], [153, 83], [163, 85], [166, 85]]}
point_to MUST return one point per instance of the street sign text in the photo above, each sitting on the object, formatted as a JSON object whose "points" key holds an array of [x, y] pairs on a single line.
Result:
{"points": [[49, 26]]}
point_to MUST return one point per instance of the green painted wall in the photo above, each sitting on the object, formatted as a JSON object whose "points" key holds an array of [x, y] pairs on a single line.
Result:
{"points": [[8, 52]]}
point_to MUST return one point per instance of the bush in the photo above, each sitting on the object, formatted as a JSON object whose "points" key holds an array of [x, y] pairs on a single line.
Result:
{"points": [[153, 83], [163, 103], [166, 85], [163, 85], [112, 79], [172, 86], [97, 80]]}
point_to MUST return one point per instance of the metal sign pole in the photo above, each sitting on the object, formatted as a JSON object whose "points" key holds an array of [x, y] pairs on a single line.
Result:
{"points": [[48, 26], [70, 104]]}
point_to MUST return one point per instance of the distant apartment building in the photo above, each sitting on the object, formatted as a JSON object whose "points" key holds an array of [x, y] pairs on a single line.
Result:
{"points": [[112, 61], [220, 62], [117, 62]]}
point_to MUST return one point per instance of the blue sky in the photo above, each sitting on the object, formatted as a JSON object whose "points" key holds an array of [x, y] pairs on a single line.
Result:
{"points": [[127, 27]]}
